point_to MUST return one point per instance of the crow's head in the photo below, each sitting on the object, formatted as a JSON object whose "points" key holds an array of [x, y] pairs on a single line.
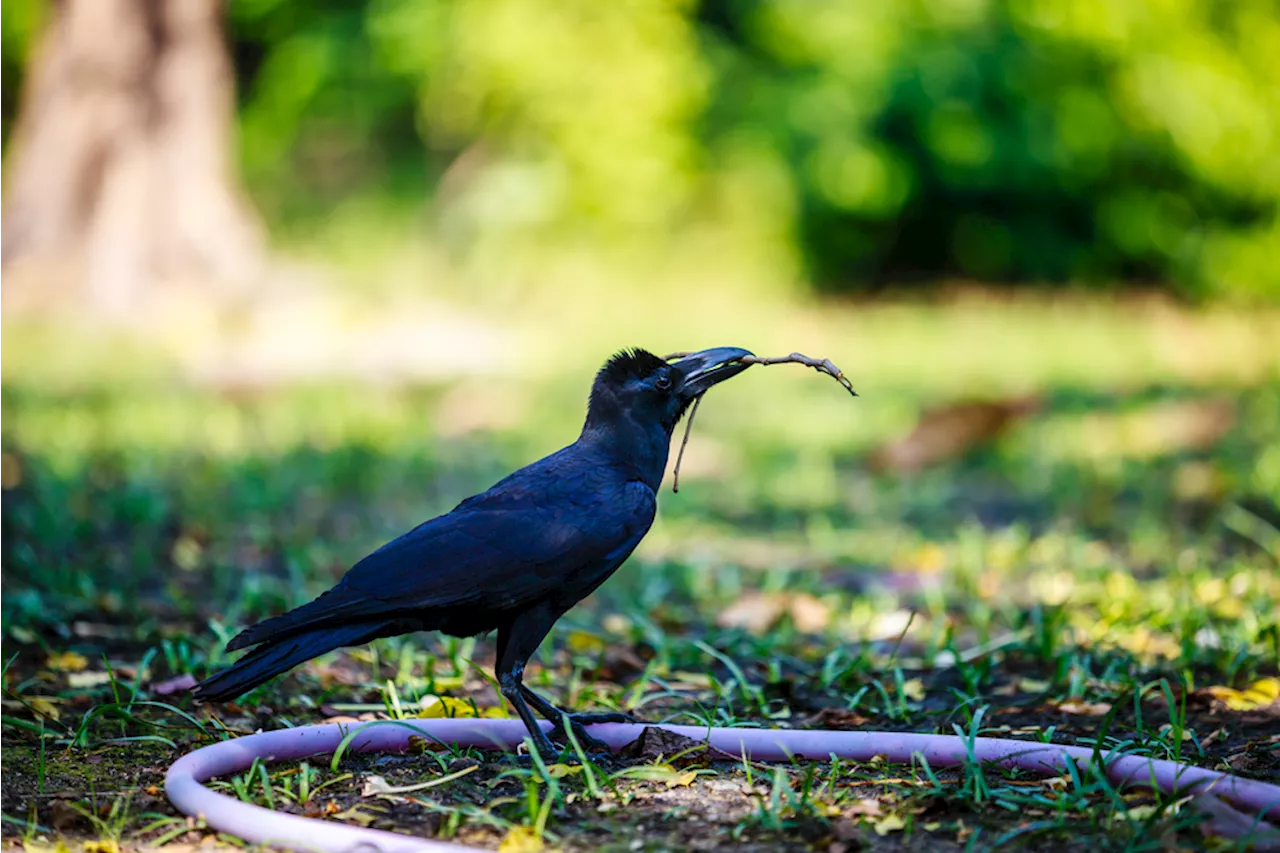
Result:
{"points": [[640, 387]]}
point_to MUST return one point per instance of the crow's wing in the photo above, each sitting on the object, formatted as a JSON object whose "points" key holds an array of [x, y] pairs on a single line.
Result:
{"points": [[499, 551]]}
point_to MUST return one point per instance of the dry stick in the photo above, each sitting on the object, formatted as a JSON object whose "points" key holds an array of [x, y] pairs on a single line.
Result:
{"points": [[822, 365], [688, 427]]}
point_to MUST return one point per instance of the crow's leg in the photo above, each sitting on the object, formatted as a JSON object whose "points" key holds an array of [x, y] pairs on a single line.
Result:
{"points": [[577, 721], [517, 641]]}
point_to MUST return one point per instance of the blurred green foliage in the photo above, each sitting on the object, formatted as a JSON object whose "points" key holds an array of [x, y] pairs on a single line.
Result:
{"points": [[886, 140]]}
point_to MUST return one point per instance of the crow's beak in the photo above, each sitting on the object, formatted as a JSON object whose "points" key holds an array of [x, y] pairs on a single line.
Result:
{"points": [[698, 371]]}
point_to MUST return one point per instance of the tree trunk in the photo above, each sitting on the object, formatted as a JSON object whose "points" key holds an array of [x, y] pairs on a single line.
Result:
{"points": [[121, 169]]}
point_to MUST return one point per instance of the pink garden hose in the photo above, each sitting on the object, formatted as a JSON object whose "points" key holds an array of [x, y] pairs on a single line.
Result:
{"points": [[183, 784]]}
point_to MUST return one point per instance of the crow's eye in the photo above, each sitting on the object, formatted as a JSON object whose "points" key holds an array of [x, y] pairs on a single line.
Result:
{"points": [[663, 383]]}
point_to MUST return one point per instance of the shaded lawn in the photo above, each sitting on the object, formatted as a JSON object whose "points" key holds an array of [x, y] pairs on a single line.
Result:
{"points": [[1087, 575]]}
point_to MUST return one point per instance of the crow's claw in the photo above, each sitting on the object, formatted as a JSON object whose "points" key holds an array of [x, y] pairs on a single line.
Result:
{"points": [[579, 722]]}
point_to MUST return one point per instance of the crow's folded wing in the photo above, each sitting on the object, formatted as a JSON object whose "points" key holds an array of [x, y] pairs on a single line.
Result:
{"points": [[496, 552]]}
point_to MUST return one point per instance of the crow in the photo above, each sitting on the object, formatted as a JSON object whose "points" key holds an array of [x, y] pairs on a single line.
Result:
{"points": [[515, 558]]}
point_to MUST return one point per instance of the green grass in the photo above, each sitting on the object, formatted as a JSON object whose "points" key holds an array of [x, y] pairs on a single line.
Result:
{"points": [[1107, 550]]}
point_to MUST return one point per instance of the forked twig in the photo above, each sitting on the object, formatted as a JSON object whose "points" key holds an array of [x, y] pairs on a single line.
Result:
{"points": [[822, 365]]}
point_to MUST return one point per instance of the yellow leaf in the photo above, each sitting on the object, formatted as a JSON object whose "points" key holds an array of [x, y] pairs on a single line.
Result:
{"points": [[913, 689], [520, 839], [559, 771], [104, 845], [43, 707], [66, 662], [584, 642], [682, 780], [1031, 685], [447, 707], [1136, 813], [889, 823], [691, 679], [356, 815], [1260, 694]]}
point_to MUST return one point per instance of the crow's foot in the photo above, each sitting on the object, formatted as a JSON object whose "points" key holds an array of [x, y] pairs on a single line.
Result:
{"points": [[578, 724]]}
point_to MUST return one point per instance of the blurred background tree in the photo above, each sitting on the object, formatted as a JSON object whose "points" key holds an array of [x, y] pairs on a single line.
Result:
{"points": [[874, 144], [122, 173]]}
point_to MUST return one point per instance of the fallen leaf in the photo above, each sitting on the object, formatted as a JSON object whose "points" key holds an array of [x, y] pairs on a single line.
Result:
{"points": [[1031, 685], [950, 431], [913, 689], [66, 662], [1139, 813], [101, 845], [83, 680], [520, 839], [439, 707], [180, 684], [756, 612], [837, 718], [695, 680], [559, 771], [1260, 694], [867, 807], [43, 706], [809, 615], [889, 823], [585, 642], [356, 815], [657, 745], [1081, 708]]}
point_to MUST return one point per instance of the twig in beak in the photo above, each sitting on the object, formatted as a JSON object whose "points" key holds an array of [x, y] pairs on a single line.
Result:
{"points": [[822, 365], [688, 427]]}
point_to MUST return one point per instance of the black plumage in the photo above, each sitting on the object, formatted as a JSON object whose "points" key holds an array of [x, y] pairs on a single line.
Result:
{"points": [[512, 559]]}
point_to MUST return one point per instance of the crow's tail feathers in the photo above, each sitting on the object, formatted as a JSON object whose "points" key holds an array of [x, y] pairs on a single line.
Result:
{"points": [[272, 658]]}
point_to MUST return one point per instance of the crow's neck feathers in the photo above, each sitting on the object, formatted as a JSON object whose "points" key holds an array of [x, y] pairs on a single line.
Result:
{"points": [[636, 440]]}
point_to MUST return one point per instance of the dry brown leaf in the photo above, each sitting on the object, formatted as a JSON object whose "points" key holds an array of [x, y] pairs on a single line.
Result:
{"points": [[809, 614], [950, 431], [1081, 708], [867, 807], [837, 718], [660, 745], [756, 612]]}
